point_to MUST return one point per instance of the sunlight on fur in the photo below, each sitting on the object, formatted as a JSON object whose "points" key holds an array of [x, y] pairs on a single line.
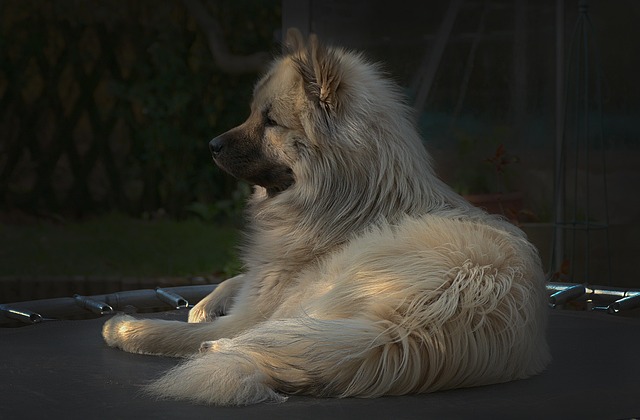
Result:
{"points": [[365, 274]]}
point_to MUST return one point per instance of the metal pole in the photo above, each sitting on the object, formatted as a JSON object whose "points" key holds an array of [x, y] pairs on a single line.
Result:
{"points": [[431, 61], [558, 240]]}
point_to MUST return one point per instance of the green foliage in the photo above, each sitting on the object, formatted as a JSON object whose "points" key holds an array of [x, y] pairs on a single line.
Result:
{"points": [[183, 100], [222, 210], [146, 64], [117, 245]]}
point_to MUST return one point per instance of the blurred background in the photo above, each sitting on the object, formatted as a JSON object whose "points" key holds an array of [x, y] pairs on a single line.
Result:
{"points": [[107, 107]]}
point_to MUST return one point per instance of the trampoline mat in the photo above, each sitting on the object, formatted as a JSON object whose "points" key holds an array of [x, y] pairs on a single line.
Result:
{"points": [[63, 369]]}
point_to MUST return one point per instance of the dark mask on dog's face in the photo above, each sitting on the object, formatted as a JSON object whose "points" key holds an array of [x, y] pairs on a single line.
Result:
{"points": [[244, 153], [265, 148]]}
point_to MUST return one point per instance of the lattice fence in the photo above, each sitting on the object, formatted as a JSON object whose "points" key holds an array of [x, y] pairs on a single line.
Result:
{"points": [[109, 105]]}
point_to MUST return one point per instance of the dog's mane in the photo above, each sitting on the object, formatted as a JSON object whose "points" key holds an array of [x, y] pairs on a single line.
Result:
{"points": [[373, 167]]}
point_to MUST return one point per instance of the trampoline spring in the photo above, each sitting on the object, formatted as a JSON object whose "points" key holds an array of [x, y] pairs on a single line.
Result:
{"points": [[95, 306], [565, 295], [23, 315], [625, 303], [173, 299]]}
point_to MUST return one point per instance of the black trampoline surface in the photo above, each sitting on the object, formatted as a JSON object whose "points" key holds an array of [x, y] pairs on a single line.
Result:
{"points": [[62, 369]]}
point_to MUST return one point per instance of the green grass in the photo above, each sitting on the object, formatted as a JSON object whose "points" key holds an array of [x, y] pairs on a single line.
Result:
{"points": [[116, 245]]}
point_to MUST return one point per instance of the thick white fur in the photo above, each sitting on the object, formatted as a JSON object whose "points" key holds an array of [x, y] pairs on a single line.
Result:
{"points": [[366, 277]]}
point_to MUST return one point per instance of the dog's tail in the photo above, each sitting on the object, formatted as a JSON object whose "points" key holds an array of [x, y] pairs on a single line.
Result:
{"points": [[342, 357]]}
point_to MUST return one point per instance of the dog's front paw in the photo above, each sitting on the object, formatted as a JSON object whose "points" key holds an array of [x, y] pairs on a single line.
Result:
{"points": [[117, 330], [200, 313]]}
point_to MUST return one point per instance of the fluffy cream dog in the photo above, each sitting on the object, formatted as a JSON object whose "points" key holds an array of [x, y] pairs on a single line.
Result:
{"points": [[365, 274]]}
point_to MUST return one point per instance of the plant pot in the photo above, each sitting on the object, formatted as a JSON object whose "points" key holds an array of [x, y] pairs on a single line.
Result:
{"points": [[505, 204]]}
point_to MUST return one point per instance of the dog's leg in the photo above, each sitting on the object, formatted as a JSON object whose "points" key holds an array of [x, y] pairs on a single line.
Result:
{"points": [[302, 355], [154, 336], [217, 302], [172, 338]]}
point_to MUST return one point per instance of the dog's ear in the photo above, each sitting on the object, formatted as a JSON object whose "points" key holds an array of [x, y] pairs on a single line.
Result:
{"points": [[293, 41], [320, 70], [328, 73]]}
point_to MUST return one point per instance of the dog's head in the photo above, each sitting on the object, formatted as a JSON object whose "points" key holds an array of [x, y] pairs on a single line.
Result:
{"points": [[294, 106]]}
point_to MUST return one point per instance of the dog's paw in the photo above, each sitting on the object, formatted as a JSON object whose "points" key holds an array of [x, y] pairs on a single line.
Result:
{"points": [[207, 346], [215, 345], [117, 330], [200, 313]]}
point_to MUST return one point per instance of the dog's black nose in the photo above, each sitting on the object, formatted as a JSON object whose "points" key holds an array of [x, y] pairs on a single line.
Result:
{"points": [[216, 145]]}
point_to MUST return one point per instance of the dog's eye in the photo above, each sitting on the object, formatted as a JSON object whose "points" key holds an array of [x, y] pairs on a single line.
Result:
{"points": [[270, 122], [300, 146]]}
